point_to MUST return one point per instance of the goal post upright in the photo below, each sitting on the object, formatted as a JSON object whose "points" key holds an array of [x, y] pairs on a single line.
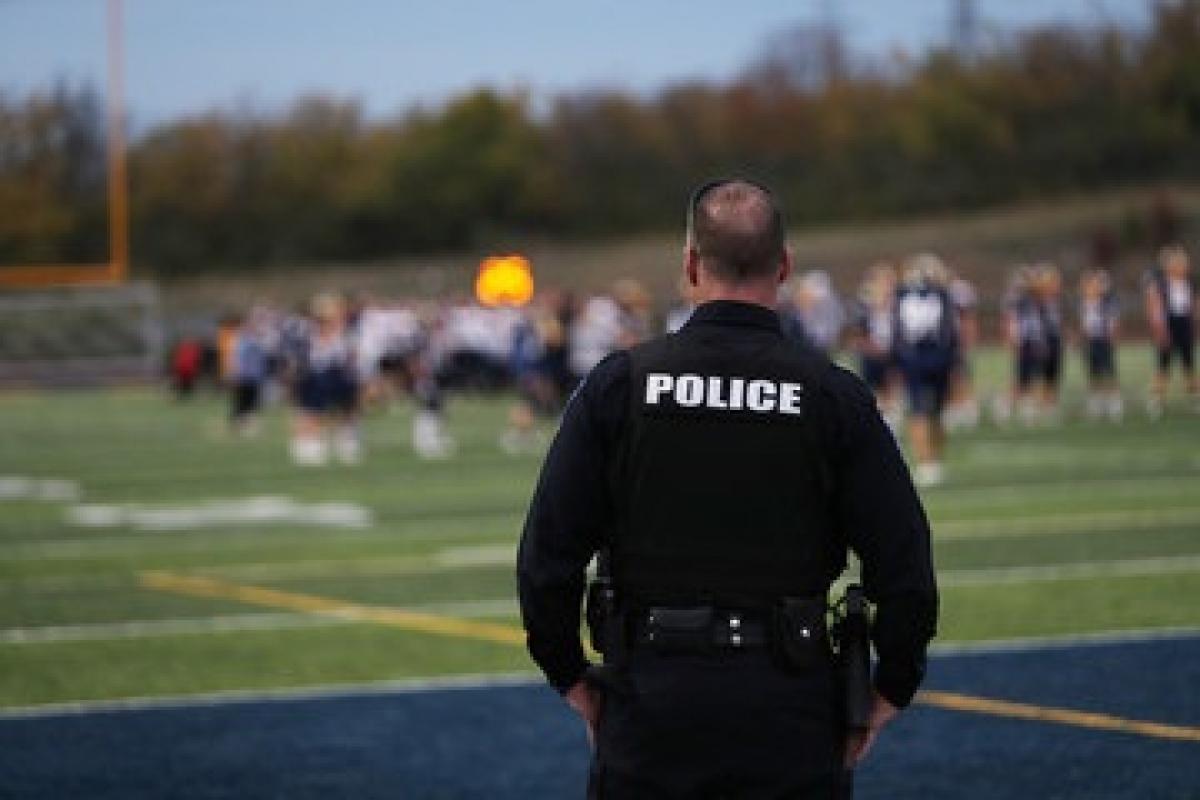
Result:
{"points": [[115, 271]]}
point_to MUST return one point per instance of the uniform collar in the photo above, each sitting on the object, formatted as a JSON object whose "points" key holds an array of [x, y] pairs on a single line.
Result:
{"points": [[733, 312]]}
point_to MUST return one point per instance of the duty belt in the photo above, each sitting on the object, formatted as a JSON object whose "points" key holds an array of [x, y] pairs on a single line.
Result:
{"points": [[699, 629]]}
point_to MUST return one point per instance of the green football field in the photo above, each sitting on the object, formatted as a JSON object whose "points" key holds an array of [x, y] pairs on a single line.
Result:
{"points": [[144, 551]]}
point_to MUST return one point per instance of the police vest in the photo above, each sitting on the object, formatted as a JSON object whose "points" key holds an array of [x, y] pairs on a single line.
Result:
{"points": [[723, 488]]}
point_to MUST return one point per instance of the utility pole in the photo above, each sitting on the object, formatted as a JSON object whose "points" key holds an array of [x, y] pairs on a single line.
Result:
{"points": [[964, 27], [118, 176]]}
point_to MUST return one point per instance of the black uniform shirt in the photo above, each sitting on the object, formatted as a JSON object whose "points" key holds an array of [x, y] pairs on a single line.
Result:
{"points": [[875, 508]]}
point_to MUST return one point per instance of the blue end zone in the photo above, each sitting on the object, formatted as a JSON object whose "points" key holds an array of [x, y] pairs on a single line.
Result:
{"points": [[933, 753], [521, 742]]}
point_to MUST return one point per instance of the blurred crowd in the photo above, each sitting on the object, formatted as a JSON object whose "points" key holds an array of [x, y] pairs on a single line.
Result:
{"points": [[912, 328]]}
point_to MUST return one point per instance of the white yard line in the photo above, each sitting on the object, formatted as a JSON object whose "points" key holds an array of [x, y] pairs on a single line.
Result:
{"points": [[502, 554], [1067, 641], [146, 628], [1076, 570], [223, 540], [46, 490], [1066, 485], [486, 554], [235, 696], [1062, 455], [1081, 522], [258, 510]]}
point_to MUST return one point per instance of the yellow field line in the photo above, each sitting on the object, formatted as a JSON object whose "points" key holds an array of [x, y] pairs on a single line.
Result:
{"points": [[1064, 716], [439, 625], [273, 598]]}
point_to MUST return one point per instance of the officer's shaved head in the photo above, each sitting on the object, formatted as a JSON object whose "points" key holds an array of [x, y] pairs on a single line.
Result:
{"points": [[736, 231]]}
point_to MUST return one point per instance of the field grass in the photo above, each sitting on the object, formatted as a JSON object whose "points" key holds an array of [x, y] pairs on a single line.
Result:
{"points": [[1079, 528]]}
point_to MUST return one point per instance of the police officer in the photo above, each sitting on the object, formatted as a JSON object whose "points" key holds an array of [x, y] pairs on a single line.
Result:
{"points": [[723, 472]]}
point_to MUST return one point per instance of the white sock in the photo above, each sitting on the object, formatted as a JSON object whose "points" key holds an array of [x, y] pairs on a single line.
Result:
{"points": [[429, 437], [309, 451], [347, 446], [929, 474], [1116, 406]]}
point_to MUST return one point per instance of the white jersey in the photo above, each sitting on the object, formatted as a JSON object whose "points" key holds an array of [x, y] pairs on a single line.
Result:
{"points": [[595, 333], [385, 330], [1179, 297], [475, 329]]}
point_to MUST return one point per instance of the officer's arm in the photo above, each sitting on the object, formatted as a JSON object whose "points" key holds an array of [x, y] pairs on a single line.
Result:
{"points": [[569, 519], [880, 515]]}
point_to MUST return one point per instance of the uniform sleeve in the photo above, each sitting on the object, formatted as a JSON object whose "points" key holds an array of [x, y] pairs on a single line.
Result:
{"points": [[879, 514], [569, 519]]}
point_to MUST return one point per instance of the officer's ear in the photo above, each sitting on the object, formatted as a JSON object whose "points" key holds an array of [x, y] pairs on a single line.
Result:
{"points": [[691, 265], [785, 266]]}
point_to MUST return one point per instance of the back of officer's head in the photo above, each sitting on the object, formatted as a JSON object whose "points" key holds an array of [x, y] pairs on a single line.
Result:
{"points": [[736, 232]]}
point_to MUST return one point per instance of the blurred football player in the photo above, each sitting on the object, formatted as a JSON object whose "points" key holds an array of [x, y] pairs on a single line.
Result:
{"points": [[810, 311], [608, 322], [248, 374], [874, 324], [1098, 323], [1170, 297], [326, 389], [185, 366], [1048, 293], [925, 343], [539, 366], [962, 410], [1035, 341]]}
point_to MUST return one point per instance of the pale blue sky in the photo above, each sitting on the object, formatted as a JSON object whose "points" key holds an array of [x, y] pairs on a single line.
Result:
{"points": [[187, 56]]}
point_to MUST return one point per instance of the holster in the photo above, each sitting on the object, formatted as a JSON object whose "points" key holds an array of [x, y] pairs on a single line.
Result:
{"points": [[604, 621], [852, 635]]}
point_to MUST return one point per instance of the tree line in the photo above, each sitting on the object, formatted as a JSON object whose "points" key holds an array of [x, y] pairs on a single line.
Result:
{"points": [[1044, 110]]}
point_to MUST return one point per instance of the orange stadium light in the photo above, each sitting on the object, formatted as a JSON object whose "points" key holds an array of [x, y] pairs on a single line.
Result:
{"points": [[504, 281]]}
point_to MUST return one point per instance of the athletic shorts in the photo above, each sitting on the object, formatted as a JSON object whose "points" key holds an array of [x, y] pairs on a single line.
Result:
{"points": [[876, 371], [1031, 361], [331, 390], [1181, 344], [247, 397], [926, 391], [1052, 364], [1101, 362]]}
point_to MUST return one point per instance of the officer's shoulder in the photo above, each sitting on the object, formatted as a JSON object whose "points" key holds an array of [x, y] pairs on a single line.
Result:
{"points": [[612, 372], [844, 380]]}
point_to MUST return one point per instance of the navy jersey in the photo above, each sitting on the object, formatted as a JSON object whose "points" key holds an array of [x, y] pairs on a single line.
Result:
{"points": [[926, 331], [1098, 316], [1038, 324]]}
